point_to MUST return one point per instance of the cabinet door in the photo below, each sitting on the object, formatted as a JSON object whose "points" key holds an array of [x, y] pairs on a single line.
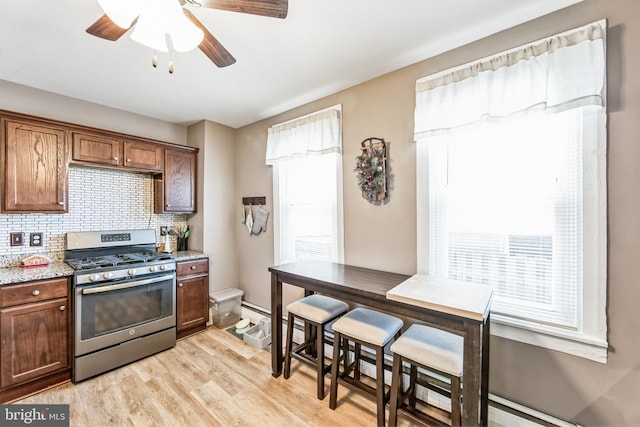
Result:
{"points": [[192, 302], [34, 340], [179, 181], [143, 156], [96, 149], [36, 174]]}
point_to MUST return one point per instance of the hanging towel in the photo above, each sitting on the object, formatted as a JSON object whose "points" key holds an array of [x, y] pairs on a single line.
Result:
{"points": [[249, 220]]}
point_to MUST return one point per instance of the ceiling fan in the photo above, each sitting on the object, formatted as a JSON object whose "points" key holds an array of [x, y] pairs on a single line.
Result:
{"points": [[107, 29]]}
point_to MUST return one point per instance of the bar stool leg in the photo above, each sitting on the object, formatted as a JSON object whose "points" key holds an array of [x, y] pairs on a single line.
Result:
{"points": [[320, 360], [287, 359], [335, 364], [357, 348], [413, 378], [380, 400], [346, 354], [396, 390], [312, 337]]}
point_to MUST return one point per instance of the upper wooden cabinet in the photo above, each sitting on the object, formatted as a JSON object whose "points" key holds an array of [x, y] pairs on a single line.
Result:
{"points": [[143, 155], [96, 149], [103, 150], [176, 188], [34, 156]]}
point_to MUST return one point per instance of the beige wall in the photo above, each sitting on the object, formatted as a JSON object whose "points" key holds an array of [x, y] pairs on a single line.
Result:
{"points": [[254, 252], [383, 237], [23, 99], [212, 227]]}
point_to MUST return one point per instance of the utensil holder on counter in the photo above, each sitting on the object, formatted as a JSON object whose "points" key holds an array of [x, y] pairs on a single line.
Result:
{"points": [[183, 244]]}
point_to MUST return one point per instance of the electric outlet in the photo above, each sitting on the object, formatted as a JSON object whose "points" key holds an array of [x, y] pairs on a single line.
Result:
{"points": [[17, 239], [163, 230], [35, 239]]}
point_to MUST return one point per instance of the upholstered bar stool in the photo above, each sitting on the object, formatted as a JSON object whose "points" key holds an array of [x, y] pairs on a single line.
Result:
{"points": [[372, 329], [431, 349], [318, 311]]}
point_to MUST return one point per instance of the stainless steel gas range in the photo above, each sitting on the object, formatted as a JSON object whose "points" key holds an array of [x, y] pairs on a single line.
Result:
{"points": [[124, 298]]}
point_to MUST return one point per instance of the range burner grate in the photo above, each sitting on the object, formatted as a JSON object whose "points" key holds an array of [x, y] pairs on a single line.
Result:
{"points": [[90, 263], [104, 261]]}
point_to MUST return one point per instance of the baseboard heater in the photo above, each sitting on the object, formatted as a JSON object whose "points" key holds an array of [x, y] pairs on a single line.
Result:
{"points": [[502, 412]]}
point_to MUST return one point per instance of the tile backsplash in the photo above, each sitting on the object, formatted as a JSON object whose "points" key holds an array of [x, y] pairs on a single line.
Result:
{"points": [[98, 200]]}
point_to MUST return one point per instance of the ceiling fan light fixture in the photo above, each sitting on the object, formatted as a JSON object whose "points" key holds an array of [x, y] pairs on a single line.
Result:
{"points": [[121, 12], [159, 18], [167, 25], [148, 33], [185, 36]]}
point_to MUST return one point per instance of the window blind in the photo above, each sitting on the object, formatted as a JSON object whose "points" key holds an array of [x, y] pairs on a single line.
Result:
{"points": [[505, 211]]}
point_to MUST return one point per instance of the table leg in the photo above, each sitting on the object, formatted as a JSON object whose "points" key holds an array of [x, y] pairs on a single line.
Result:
{"points": [[276, 325], [471, 375], [307, 330], [484, 386]]}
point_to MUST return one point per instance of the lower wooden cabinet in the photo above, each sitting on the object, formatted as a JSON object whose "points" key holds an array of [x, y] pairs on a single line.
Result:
{"points": [[192, 296], [34, 332]]}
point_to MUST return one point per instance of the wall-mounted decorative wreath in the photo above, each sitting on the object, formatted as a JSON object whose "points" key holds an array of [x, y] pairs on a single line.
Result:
{"points": [[371, 169]]}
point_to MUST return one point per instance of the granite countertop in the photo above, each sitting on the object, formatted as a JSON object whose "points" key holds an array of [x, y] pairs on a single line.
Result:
{"points": [[12, 275], [188, 255]]}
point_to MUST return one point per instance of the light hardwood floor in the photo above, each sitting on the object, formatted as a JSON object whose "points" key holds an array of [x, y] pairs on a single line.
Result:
{"points": [[209, 379]]}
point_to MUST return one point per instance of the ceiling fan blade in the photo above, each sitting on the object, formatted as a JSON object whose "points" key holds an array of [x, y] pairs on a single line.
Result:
{"points": [[106, 29], [271, 8], [210, 45]]}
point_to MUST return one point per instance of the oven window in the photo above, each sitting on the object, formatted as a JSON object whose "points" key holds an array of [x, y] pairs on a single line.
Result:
{"points": [[112, 311]]}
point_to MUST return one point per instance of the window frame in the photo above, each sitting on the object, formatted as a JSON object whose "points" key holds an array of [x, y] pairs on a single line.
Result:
{"points": [[339, 192]]}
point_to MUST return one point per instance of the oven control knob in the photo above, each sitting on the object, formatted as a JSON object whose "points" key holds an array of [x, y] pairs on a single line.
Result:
{"points": [[163, 267], [152, 268], [108, 275], [94, 277], [131, 272]]}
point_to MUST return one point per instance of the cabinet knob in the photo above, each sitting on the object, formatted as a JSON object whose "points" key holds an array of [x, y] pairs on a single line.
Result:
{"points": [[193, 267], [115, 158], [179, 285], [61, 203], [128, 160], [62, 308], [35, 293]]}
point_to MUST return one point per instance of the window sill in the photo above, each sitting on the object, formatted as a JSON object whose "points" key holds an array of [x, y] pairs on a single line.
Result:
{"points": [[569, 342]]}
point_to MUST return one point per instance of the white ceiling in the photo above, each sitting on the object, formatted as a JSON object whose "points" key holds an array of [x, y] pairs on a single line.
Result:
{"points": [[322, 46]]}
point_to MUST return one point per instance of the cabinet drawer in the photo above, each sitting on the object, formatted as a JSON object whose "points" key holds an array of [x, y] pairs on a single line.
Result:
{"points": [[186, 268], [33, 292]]}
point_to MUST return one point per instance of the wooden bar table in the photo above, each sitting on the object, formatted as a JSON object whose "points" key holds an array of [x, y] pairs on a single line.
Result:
{"points": [[457, 307]]}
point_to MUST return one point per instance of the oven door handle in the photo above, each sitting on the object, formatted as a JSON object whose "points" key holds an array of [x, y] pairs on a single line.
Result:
{"points": [[108, 288]]}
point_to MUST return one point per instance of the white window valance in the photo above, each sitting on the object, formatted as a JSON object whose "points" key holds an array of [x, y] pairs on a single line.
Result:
{"points": [[548, 75], [317, 133]]}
